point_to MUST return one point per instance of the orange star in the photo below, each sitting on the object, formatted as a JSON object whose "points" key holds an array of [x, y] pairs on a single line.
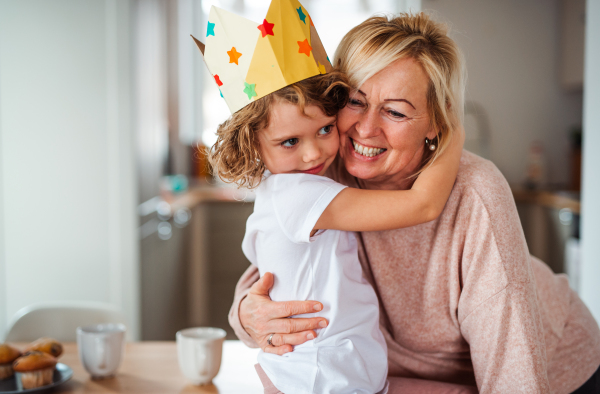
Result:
{"points": [[234, 56], [304, 47]]}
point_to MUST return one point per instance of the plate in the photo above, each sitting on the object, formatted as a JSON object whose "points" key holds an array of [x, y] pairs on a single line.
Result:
{"points": [[62, 373]]}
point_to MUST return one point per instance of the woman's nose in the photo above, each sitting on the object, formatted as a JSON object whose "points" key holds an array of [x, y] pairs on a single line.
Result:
{"points": [[368, 124]]}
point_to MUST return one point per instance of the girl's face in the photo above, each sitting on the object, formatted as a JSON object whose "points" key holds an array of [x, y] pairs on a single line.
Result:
{"points": [[298, 143]]}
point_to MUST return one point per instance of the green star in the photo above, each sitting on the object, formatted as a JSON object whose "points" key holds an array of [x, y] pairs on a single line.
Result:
{"points": [[249, 90]]}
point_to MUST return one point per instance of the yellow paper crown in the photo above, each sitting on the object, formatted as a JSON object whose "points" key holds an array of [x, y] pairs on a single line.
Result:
{"points": [[249, 61]]}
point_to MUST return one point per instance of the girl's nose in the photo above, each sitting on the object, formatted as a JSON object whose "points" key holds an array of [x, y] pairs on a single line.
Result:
{"points": [[312, 152]]}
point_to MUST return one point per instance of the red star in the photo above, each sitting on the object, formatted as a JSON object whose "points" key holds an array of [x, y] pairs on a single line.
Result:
{"points": [[218, 81], [304, 47], [266, 28]]}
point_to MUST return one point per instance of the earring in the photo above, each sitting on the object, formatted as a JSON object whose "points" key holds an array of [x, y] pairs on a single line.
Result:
{"points": [[430, 144]]}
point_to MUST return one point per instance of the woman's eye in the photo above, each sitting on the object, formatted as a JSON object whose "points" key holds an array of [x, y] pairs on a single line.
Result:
{"points": [[325, 130], [289, 143], [396, 114], [355, 102]]}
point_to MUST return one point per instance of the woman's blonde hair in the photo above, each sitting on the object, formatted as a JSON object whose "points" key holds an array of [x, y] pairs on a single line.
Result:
{"points": [[235, 157], [381, 40]]}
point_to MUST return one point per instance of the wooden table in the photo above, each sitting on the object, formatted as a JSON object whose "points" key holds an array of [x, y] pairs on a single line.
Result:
{"points": [[151, 367]]}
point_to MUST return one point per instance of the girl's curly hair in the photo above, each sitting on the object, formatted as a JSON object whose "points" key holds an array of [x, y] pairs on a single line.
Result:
{"points": [[235, 157]]}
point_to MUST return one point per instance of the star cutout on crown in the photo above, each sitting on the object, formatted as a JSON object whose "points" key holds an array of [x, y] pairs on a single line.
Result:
{"points": [[210, 29], [322, 69], [218, 80], [304, 47], [266, 28], [234, 56], [250, 90], [301, 15]]}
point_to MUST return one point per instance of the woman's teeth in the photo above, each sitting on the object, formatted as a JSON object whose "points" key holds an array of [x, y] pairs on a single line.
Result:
{"points": [[363, 150]]}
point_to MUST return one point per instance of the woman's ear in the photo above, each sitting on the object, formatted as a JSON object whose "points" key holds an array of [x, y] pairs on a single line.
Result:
{"points": [[431, 134]]}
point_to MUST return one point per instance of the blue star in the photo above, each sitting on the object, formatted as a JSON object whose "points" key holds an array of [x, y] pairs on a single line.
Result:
{"points": [[210, 29], [301, 15], [221, 93]]}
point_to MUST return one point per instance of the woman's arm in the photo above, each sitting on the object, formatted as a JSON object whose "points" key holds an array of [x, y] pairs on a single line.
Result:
{"points": [[378, 210]]}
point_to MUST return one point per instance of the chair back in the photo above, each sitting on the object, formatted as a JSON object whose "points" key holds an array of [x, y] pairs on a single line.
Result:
{"points": [[59, 320]]}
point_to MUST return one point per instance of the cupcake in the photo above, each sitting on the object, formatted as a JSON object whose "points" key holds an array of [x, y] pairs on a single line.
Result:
{"points": [[46, 345], [8, 354], [35, 369]]}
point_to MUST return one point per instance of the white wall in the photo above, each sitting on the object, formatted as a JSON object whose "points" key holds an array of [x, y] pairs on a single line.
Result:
{"points": [[590, 231], [513, 57], [66, 156]]}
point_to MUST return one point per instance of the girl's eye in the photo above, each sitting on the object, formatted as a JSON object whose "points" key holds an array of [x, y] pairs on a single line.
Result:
{"points": [[354, 102], [289, 143], [325, 130], [396, 114]]}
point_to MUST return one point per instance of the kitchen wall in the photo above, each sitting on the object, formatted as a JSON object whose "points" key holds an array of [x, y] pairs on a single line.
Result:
{"points": [[68, 224], [512, 51], [590, 270]]}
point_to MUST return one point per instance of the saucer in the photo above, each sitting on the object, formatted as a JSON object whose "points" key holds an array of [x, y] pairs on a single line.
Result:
{"points": [[62, 373]]}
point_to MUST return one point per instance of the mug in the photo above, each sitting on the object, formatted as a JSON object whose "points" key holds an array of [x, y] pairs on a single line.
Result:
{"points": [[101, 348], [199, 353]]}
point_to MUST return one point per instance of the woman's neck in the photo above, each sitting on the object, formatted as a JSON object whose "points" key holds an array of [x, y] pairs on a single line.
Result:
{"points": [[403, 183]]}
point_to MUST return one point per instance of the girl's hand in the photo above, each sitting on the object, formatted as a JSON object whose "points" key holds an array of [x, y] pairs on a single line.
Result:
{"points": [[262, 317]]}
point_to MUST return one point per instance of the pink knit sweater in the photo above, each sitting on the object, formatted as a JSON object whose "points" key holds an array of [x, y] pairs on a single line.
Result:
{"points": [[462, 300]]}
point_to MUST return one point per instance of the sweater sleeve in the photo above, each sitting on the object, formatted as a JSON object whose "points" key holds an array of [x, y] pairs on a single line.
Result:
{"points": [[498, 310], [241, 291]]}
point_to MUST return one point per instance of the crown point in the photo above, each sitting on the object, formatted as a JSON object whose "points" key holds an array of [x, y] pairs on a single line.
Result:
{"points": [[304, 47], [210, 29], [234, 55]]}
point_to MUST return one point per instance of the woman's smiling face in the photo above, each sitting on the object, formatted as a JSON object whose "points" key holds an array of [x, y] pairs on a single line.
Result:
{"points": [[384, 126]]}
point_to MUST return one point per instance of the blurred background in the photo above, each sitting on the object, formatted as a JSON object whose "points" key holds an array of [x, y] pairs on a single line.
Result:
{"points": [[106, 106]]}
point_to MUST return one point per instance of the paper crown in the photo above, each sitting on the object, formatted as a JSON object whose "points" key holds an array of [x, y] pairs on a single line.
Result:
{"points": [[249, 61]]}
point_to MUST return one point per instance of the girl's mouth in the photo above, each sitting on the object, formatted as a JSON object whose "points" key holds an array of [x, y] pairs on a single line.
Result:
{"points": [[314, 170], [365, 150]]}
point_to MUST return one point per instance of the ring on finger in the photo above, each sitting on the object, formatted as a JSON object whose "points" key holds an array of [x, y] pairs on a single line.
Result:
{"points": [[269, 340]]}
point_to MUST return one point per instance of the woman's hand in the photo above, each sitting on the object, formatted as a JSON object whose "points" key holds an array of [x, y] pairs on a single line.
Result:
{"points": [[262, 317]]}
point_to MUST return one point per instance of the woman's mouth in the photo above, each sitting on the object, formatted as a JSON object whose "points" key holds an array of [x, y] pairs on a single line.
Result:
{"points": [[314, 170], [365, 150]]}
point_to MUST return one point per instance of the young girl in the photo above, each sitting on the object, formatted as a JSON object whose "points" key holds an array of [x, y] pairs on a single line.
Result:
{"points": [[301, 229]]}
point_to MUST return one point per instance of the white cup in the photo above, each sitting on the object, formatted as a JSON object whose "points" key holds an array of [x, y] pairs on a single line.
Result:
{"points": [[199, 352], [101, 348]]}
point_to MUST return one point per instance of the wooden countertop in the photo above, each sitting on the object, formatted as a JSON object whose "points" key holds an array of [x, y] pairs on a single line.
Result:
{"points": [[152, 367], [219, 193]]}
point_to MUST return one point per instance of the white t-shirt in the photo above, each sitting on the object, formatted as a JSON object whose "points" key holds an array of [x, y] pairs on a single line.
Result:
{"points": [[350, 354]]}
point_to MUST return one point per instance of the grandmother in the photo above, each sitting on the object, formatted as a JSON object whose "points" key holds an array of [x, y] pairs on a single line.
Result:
{"points": [[463, 303]]}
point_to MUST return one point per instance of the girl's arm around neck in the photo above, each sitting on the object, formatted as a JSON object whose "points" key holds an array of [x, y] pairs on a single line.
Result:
{"points": [[380, 210]]}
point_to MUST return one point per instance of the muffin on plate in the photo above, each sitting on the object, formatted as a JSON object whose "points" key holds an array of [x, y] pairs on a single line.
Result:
{"points": [[34, 369], [8, 354], [46, 345]]}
